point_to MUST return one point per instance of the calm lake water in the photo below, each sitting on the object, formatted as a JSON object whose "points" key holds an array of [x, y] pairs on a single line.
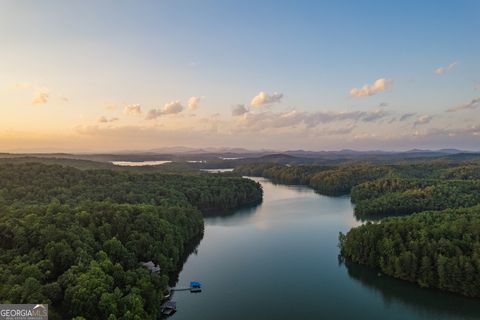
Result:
{"points": [[279, 260], [139, 163]]}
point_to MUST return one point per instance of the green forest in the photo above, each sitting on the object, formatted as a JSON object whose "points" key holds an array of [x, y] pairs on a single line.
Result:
{"points": [[75, 238], [438, 249], [433, 238]]}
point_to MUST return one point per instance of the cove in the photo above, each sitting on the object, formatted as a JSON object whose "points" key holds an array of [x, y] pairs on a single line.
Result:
{"points": [[279, 260]]}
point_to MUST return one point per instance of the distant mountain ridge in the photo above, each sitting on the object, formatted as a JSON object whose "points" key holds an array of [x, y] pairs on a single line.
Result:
{"points": [[234, 150]]}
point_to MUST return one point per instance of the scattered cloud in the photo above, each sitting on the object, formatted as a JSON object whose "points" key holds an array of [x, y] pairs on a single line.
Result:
{"points": [[263, 98], [172, 107], [374, 115], [239, 110], [475, 103], [406, 116], [133, 109], [383, 104], [193, 103], [423, 119], [104, 119], [377, 86], [40, 96], [443, 70]]}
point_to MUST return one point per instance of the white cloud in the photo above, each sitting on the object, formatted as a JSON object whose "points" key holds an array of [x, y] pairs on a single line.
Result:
{"points": [[475, 103], [132, 109], [172, 107], [377, 86], [104, 119], [40, 96], [193, 103], [263, 98], [238, 110], [443, 70], [423, 119]]}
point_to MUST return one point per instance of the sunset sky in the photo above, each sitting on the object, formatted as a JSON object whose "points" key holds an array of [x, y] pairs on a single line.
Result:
{"points": [[134, 75]]}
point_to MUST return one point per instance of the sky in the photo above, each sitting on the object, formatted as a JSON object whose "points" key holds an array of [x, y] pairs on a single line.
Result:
{"points": [[102, 76]]}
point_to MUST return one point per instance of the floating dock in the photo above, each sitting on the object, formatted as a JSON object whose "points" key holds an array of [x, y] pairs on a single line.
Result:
{"points": [[195, 286]]}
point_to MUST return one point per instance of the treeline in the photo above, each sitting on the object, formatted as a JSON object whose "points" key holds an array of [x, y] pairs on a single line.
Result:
{"points": [[33, 183], [324, 179], [438, 249], [300, 174], [75, 239], [401, 196], [340, 179]]}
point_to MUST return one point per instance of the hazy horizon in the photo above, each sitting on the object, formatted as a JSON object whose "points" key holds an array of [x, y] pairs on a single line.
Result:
{"points": [[178, 150], [282, 76]]}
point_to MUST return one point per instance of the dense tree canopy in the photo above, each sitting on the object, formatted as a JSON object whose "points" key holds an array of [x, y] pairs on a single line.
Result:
{"points": [[439, 249], [402, 196], [74, 239]]}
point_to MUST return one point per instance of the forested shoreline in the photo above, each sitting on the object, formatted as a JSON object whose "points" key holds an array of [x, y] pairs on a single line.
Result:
{"points": [[75, 238], [385, 189], [438, 249], [433, 238]]}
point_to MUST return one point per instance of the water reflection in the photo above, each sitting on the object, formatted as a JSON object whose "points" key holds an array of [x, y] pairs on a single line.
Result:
{"points": [[191, 248], [429, 303], [283, 253], [231, 218]]}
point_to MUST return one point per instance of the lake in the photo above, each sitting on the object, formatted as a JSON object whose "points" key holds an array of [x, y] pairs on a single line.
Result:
{"points": [[139, 163], [279, 260]]}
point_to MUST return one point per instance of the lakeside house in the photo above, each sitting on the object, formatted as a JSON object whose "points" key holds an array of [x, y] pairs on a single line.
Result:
{"points": [[151, 266]]}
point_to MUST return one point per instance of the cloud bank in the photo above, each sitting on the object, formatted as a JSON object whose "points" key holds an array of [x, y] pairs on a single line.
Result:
{"points": [[265, 120]]}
